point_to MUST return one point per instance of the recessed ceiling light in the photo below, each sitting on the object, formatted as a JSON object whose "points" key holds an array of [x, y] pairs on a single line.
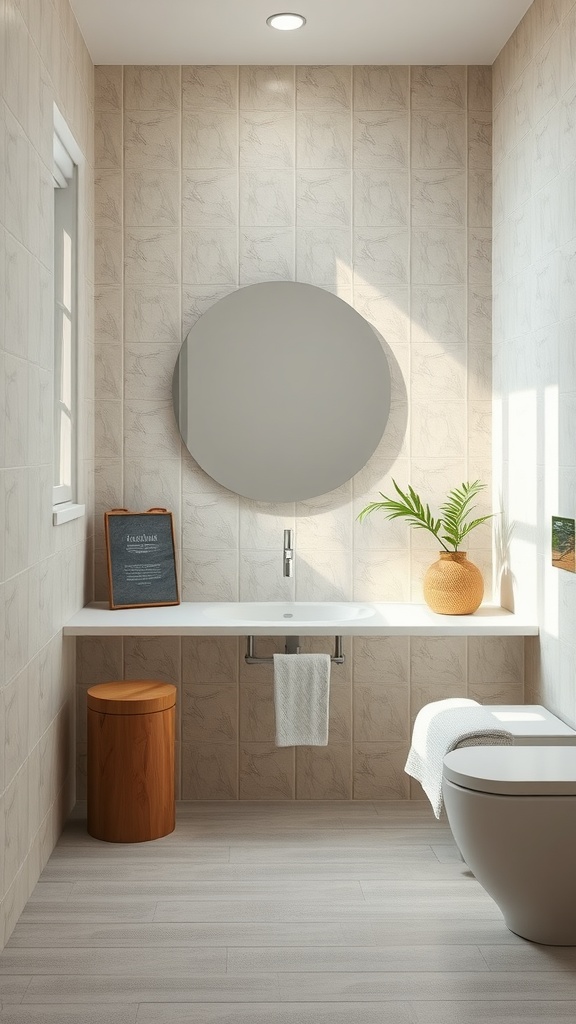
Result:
{"points": [[286, 22]]}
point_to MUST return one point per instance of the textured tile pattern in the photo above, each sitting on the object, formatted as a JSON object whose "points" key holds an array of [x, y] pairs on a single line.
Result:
{"points": [[534, 322], [276, 913], [374, 183], [45, 572]]}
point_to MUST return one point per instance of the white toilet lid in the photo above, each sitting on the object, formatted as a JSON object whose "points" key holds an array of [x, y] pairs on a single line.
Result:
{"points": [[514, 771]]}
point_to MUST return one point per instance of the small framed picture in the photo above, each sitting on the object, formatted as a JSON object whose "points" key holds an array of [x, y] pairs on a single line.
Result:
{"points": [[141, 558], [563, 543]]}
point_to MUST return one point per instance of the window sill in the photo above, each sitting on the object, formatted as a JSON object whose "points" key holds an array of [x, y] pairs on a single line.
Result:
{"points": [[65, 513]]}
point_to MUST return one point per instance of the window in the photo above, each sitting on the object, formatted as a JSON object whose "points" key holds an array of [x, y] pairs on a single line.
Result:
{"points": [[65, 174]]}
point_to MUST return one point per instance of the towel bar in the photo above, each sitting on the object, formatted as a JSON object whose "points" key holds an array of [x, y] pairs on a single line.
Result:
{"points": [[292, 646]]}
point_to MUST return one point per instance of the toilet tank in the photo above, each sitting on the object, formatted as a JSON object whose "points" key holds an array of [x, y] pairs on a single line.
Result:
{"points": [[532, 725]]}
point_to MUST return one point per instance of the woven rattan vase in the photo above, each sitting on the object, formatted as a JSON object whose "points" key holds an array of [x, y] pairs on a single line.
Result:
{"points": [[453, 585]]}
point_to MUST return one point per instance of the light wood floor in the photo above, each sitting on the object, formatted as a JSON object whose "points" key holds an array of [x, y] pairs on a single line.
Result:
{"points": [[276, 914]]}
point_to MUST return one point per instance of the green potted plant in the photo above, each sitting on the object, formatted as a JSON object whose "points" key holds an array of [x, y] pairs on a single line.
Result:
{"points": [[453, 585]]}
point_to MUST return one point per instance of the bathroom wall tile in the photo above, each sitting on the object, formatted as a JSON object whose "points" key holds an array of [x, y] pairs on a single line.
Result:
{"points": [[151, 198], [497, 693], [324, 88], [108, 314], [438, 660], [480, 372], [209, 198], [479, 256], [261, 674], [439, 256], [479, 87], [495, 659], [266, 139], [16, 281], [375, 533], [379, 771], [323, 139], [266, 197], [148, 371], [151, 256], [438, 87], [262, 524], [381, 660], [479, 314], [324, 257], [381, 712], [381, 575], [267, 87], [266, 254], [152, 483], [209, 139], [210, 87], [16, 625], [210, 522], [323, 575], [15, 538], [210, 772], [108, 256], [209, 576], [151, 315], [438, 372], [108, 428], [149, 424], [381, 198], [480, 199], [438, 314], [325, 521], [480, 427], [435, 429], [387, 309], [323, 773], [480, 140], [15, 410], [16, 198], [438, 139], [381, 256], [261, 577], [257, 717], [209, 714], [210, 659], [381, 87], [151, 88], [151, 140], [108, 371], [381, 139], [196, 299], [107, 488], [108, 139], [266, 772], [438, 198], [108, 87], [323, 198], [108, 197], [209, 256], [195, 480], [15, 711], [154, 657]]}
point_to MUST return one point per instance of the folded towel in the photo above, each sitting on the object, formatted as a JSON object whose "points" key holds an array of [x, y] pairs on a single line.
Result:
{"points": [[301, 695], [442, 726]]}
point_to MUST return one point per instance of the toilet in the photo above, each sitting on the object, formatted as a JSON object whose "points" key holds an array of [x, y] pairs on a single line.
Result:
{"points": [[512, 812]]}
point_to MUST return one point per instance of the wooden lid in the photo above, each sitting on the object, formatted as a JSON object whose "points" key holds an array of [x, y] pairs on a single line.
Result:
{"points": [[134, 697]]}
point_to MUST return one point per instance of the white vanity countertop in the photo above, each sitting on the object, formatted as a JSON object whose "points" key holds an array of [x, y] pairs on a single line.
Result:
{"points": [[294, 619]]}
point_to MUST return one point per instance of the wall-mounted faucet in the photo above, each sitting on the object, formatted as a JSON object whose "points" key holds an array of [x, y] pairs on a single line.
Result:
{"points": [[288, 560]]}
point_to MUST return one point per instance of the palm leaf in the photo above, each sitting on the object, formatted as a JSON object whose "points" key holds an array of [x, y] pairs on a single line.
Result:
{"points": [[409, 507]]}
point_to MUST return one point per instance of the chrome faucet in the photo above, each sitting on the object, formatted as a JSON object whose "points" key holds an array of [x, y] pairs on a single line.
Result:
{"points": [[288, 553]]}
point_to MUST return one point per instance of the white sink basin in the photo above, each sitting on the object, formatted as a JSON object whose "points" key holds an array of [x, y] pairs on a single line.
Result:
{"points": [[290, 612]]}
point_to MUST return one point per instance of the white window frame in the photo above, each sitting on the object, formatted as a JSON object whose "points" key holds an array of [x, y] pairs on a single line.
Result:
{"points": [[67, 161]]}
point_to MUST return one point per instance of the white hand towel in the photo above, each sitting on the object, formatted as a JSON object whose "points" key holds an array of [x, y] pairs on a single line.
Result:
{"points": [[301, 698], [442, 726]]}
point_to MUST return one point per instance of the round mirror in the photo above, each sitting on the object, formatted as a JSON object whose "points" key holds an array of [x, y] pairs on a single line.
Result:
{"points": [[281, 391]]}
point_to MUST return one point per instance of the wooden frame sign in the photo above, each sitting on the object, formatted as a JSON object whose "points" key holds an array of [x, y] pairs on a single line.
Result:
{"points": [[141, 558]]}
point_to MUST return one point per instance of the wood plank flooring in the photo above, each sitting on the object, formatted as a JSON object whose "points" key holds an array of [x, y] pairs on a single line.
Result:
{"points": [[290, 913]]}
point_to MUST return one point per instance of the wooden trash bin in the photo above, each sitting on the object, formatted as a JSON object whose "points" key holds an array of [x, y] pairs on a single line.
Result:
{"points": [[131, 761]]}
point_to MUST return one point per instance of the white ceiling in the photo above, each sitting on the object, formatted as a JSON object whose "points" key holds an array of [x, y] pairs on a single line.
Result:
{"points": [[337, 31]]}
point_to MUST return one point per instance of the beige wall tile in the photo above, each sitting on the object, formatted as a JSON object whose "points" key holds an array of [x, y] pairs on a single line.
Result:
{"points": [[323, 773], [210, 772], [266, 772], [209, 714], [379, 771]]}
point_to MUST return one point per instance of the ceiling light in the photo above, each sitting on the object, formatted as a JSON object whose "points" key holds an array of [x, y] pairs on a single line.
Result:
{"points": [[286, 22]]}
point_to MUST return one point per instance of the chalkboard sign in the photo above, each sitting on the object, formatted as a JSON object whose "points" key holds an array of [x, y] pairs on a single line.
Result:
{"points": [[141, 558]]}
